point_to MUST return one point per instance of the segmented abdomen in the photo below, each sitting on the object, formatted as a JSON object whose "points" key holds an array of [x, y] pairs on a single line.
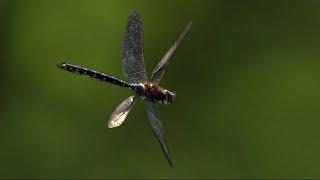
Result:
{"points": [[92, 74]]}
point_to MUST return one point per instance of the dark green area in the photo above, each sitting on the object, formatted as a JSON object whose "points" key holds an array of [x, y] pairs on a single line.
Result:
{"points": [[247, 80]]}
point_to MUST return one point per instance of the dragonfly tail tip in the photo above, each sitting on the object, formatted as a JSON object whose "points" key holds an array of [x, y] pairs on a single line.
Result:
{"points": [[61, 64]]}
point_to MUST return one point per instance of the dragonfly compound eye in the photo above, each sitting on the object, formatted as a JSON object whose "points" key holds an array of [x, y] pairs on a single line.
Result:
{"points": [[170, 96]]}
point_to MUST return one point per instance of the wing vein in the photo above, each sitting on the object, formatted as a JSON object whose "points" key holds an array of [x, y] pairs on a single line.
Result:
{"points": [[162, 65]]}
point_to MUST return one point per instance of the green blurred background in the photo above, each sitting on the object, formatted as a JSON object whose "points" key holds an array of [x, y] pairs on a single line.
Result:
{"points": [[247, 81]]}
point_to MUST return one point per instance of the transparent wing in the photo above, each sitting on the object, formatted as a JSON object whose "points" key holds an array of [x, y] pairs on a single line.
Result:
{"points": [[157, 128], [160, 68], [132, 50], [121, 112]]}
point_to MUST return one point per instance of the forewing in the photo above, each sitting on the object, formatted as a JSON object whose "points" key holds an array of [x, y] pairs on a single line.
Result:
{"points": [[157, 128], [132, 50], [121, 112], [161, 67]]}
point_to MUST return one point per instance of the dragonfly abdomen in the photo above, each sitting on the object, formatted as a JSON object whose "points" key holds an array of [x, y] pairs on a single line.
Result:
{"points": [[93, 74]]}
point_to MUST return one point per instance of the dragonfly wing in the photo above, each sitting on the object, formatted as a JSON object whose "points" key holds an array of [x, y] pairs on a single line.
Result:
{"points": [[121, 112], [160, 68], [132, 50], [157, 128]]}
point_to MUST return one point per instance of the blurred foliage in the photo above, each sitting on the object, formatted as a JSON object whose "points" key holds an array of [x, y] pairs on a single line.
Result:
{"points": [[246, 78]]}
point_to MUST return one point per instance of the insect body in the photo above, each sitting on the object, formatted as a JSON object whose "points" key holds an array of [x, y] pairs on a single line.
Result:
{"points": [[153, 93], [134, 69], [147, 91]]}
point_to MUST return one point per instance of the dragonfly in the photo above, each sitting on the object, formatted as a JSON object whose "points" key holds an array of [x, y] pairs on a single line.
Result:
{"points": [[147, 90]]}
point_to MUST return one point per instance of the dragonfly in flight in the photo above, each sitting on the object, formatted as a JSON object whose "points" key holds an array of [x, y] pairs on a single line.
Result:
{"points": [[134, 70]]}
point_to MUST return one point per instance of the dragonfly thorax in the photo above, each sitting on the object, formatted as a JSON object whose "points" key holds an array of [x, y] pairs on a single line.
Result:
{"points": [[154, 93]]}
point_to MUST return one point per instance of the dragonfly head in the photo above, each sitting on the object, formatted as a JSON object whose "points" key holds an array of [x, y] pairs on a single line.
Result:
{"points": [[169, 97]]}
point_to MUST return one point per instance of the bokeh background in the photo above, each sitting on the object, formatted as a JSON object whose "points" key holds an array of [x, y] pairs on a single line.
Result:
{"points": [[247, 80]]}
